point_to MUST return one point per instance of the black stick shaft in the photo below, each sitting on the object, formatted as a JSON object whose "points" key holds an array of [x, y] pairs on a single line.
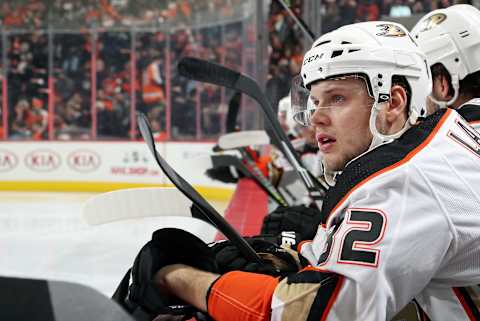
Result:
{"points": [[205, 71], [210, 214]]}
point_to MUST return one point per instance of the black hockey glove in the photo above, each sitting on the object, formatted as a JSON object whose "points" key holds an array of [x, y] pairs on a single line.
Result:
{"points": [[142, 298], [226, 174], [277, 261], [294, 223]]}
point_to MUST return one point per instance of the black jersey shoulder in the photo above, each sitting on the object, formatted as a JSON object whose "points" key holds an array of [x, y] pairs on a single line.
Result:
{"points": [[378, 159], [470, 111]]}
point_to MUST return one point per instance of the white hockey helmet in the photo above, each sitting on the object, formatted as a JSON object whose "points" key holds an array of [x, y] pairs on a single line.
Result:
{"points": [[378, 50], [451, 37]]}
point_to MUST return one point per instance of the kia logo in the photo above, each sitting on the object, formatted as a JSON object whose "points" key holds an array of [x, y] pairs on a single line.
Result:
{"points": [[42, 160], [8, 160], [83, 160]]}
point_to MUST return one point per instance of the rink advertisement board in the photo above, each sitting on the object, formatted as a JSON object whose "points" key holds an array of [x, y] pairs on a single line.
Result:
{"points": [[102, 166]]}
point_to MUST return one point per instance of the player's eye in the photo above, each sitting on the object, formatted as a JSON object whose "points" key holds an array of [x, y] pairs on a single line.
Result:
{"points": [[338, 99]]}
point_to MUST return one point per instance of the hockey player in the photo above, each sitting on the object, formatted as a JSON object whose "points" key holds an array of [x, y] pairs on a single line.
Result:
{"points": [[451, 40], [403, 215]]}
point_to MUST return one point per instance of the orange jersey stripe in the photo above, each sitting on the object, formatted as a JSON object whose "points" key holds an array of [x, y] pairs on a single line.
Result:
{"points": [[242, 296]]}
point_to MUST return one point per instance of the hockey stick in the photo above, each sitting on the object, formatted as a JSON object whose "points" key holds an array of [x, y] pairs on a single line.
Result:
{"points": [[209, 213], [209, 72], [258, 177], [241, 141], [306, 30], [135, 203]]}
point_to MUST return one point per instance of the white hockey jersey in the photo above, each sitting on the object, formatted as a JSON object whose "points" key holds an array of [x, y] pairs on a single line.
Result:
{"points": [[403, 224]]}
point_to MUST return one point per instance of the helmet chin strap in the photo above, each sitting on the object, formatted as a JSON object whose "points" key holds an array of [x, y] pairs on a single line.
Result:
{"points": [[330, 176], [445, 104]]}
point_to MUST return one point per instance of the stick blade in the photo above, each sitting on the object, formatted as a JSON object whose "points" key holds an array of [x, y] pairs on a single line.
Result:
{"points": [[134, 203], [243, 139]]}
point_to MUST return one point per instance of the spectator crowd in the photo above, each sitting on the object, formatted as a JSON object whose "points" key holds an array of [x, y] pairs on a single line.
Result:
{"points": [[97, 74], [69, 82]]}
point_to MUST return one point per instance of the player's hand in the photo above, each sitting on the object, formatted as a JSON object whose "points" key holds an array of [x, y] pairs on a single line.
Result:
{"points": [[278, 261], [224, 174], [293, 223], [167, 246]]}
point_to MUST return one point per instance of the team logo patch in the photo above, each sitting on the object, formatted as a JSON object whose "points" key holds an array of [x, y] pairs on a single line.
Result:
{"points": [[390, 30], [432, 21]]}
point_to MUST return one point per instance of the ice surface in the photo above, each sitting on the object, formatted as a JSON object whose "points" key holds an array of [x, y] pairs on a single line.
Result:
{"points": [[44, 236]]}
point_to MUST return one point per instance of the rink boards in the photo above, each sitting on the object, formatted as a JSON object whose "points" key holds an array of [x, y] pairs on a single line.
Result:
{"points": [[103, 166]]}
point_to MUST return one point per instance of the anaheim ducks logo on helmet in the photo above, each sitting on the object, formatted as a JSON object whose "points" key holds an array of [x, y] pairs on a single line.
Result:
{"points": [[390, 30], [432, 21]]}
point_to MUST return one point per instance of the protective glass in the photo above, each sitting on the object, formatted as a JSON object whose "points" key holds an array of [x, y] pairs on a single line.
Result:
{"points": [[302, 110], [304, 105]]}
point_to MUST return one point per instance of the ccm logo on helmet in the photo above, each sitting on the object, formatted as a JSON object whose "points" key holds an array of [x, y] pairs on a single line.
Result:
{"points": [[432, 21], [312, 58], [390, 30]]}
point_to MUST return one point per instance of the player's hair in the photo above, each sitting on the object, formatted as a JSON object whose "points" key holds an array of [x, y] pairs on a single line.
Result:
{"points": [[469, 86]]}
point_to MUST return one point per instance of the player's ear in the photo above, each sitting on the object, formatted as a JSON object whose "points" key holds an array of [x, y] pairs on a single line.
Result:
{"points": [[397, 106], [443, 87]]}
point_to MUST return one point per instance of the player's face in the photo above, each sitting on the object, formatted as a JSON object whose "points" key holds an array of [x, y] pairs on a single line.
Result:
{"points": [[341, 120]]}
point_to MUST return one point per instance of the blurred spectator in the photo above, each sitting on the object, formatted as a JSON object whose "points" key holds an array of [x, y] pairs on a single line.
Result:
{"points": [[183, 113], [418, 8], [157, 123], [30, 121], [367, 10], [73, 118], [18, 123], [286, 50], [37, 119], [160, 32], [330, 16], [210, 102], [348, 12], [400, 9], [152, 84]]}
